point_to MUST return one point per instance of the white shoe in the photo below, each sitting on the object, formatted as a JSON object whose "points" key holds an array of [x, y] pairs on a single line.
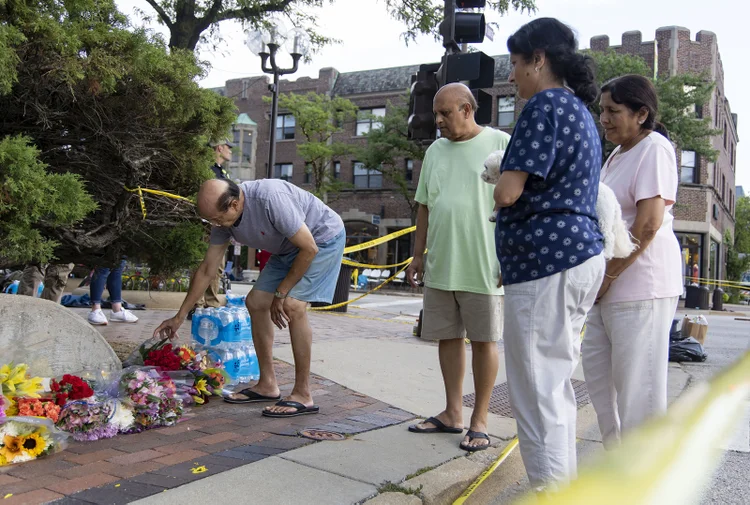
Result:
{"points": [[124, 316], [97, 317]]}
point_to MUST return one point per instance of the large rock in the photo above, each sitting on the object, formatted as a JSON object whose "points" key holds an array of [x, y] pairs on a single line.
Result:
{"points": [[51, 339]]}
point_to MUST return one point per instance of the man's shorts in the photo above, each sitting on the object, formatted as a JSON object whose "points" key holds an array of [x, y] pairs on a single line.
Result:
{"points": [[459, 314], [319, 282]]}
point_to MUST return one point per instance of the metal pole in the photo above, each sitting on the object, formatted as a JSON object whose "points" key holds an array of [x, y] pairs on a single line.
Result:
{"points": [[274, 114]]}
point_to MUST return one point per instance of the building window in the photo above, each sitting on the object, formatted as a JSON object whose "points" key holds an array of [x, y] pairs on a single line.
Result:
{"points": [[409, 170], [506, 111], [723, 186], [713, 260], [245, 88], [336, 169], [692, 246], [367, 178], [285, 125], [236, 151], [283, 171], [366, 121], [687, 167], [725, 134], [731, 156], [308, 173]]}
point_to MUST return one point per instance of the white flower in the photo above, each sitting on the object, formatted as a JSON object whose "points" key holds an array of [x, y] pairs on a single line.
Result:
{"points": [[123, 417]]}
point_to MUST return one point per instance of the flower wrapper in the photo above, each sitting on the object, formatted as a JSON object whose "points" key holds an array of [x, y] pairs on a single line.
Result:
{"points": [[138, 356], [153, 397], [28, 438]]}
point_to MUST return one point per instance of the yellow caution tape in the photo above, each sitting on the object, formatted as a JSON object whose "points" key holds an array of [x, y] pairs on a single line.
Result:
{"points": [[141, 190], [503, 456], [365, 265], [717, 282], [379, 240], [337, 305]]}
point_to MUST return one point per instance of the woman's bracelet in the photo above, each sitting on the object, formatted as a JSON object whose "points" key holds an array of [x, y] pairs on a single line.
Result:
{"points": [[613, 277]]}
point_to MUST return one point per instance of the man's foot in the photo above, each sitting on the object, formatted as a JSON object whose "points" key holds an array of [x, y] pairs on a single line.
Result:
{"points": [[291, 409], [124, 316], [475, 439], [288, 409], [249, 396], [449, 424], [97, 318]]}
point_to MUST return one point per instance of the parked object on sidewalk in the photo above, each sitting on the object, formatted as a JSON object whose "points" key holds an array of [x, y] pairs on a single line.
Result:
{"points": [[696, 327], [687, 349]]}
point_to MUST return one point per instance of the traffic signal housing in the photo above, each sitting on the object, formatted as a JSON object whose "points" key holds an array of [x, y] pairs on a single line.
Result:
{"points": [[477, 71], [424, 86], [460, 27]]}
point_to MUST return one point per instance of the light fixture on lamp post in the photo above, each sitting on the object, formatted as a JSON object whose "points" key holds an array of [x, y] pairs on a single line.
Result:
{"points": [[266, 43]]}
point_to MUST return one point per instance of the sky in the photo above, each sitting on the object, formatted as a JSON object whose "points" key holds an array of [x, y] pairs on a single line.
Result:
{"points": [[371, 39]]}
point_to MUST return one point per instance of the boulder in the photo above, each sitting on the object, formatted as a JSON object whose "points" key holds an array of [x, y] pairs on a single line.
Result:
{"points": [[51, 339]]}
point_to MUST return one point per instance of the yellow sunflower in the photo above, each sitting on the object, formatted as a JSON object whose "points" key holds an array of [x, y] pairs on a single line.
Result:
{"points": [[3, 461], [12, 447], [34, 445]]}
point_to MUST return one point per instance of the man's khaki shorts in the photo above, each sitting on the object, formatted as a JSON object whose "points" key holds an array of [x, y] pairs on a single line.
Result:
{"points": [[459, 314]]}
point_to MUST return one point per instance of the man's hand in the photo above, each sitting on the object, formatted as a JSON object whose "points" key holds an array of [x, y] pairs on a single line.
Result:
{"points": [[415, 272], [168, 329], [604, 288], [278, 316], [500, 280]]}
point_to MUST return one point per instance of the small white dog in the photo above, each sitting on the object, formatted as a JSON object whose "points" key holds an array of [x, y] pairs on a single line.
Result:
{"points": [[618, 242]]}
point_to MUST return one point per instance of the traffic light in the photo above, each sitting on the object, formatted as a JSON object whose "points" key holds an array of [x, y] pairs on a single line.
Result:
{"points": [[424, 86], [460, 27]]}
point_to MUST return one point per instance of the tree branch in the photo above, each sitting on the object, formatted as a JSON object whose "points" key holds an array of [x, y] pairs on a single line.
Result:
{"points": [[253, 12], [162, 14]]}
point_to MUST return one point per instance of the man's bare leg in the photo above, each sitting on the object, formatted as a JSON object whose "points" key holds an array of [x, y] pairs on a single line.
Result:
{"points": [[452, 354], [485, 361]]}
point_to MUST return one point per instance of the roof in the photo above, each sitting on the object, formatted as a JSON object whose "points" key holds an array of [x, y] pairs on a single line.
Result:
{"points": [[245, 119], [396, 78]]}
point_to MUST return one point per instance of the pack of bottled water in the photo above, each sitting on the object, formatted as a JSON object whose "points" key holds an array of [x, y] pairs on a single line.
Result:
{"points": [[226, 333]]}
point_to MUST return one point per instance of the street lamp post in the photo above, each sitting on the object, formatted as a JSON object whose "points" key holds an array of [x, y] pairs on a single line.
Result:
{"points": [[266, 44]]}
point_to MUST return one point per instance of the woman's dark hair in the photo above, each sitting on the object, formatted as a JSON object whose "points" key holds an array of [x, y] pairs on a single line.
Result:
{"points": [[637, 92], [560, 47]]}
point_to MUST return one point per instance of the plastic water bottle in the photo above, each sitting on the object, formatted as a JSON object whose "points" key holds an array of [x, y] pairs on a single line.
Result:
{"points": [[195, 324], [246, 337], [230, 343], [208, 329]]}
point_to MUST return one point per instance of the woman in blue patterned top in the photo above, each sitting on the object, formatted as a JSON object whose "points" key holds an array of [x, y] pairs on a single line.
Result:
{"points": [[548, 241]]}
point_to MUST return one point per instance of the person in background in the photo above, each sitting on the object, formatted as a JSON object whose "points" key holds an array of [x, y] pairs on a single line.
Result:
{"points": [[55, 278], [112, 277], [626, 346], [548, 241], [462, 298]]}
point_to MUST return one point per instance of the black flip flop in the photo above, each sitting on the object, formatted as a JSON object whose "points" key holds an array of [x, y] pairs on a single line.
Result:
{"points": [[440, 427], [252, 397], [473, 435], [301, 409]]}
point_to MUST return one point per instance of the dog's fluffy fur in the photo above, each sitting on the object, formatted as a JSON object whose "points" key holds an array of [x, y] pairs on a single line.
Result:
{"points": [[618, 242]]}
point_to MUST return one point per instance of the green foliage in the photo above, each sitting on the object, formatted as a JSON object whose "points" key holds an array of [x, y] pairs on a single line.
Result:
{"points": [[388, 146], [678, 95], [114, 106], [318, 118], [175, 249], [738, 247], [32, 199], [191, 22]]}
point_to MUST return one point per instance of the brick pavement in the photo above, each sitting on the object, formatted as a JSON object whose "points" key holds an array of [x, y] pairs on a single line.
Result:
{"points": [[210, 439]]}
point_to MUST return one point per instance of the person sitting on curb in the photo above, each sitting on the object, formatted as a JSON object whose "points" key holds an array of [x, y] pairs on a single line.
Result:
{"points": [[306, 239]]}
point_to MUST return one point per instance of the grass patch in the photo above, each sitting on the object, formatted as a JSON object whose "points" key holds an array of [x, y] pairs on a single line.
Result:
{"points": [[420, 472], [390, 487]]}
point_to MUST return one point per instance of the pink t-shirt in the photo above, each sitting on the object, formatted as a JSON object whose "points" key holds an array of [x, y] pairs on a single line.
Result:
{"points": [[646, 171]]}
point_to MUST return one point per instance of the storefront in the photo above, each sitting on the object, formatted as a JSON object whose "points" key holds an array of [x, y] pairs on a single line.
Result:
{"points": [[691, 245]]}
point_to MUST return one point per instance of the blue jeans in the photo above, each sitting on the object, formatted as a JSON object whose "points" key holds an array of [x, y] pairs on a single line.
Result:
{"points": [[112, 277]]}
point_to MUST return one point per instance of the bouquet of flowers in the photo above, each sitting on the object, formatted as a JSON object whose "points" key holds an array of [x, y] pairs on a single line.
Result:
{"points": [[165, 358], [138, 357], [27, 438], [88, 421], [38, 408], [15, 381], [70, 388], [152, 396]]}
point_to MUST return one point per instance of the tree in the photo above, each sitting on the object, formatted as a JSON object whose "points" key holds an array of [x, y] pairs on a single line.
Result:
{"points": [[32, 196], [193, 21], [110, 106], [738, 247], [389, 145], [319, 117], [679, 96]]}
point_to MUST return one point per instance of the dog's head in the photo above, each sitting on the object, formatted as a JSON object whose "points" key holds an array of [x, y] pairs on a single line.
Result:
{"points": [[493, 161]]}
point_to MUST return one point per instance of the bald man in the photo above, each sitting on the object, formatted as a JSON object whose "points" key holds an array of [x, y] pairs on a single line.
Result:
{"points": [[306, 239], [462, 296]]}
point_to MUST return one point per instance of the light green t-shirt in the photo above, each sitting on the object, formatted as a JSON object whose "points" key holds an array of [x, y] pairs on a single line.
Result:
{"points": [[460, 238]]}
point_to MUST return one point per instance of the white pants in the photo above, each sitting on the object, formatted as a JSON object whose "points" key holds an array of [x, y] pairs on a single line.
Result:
{"points": [[625, 361], [543, 322]]}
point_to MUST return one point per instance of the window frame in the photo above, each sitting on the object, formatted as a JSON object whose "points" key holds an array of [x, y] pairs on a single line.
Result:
{"points": [[501, 113], [371, 173], [368, 120], [683, 166], [282, 132], [280, 167]]}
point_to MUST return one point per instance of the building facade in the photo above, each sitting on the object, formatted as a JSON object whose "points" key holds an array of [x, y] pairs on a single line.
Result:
{"points": [[372, 206], [704, 211]]}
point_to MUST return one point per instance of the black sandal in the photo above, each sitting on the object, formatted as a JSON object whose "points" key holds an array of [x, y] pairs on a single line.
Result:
{"points": [[473, 435], [440, 427], [302, 409], [252, 397]]}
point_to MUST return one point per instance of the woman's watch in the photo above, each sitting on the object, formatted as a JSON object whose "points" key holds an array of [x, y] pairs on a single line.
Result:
{"points": [[280, 295]]}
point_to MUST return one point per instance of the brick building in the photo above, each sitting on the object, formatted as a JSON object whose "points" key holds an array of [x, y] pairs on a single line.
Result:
{"points": [[706, 197], [371, 208]]}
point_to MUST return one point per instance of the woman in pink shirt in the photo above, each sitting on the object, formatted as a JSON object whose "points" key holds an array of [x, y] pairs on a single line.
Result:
{"points": [[626, 346]]}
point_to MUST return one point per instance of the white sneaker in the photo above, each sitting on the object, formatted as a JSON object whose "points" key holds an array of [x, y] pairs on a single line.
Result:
{"points": [[97, 317], [124, 316]]}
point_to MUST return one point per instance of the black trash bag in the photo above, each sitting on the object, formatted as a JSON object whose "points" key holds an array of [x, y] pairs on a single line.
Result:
{"points": [[687, 349], [674, 333]]}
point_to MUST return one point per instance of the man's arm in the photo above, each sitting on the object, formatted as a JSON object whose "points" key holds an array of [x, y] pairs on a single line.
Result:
{"points": [[415, 271], [202, 278], [308, 249]]}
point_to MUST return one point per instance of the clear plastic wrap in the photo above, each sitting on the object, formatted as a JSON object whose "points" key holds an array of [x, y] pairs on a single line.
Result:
{"points": [[28, 438]]}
